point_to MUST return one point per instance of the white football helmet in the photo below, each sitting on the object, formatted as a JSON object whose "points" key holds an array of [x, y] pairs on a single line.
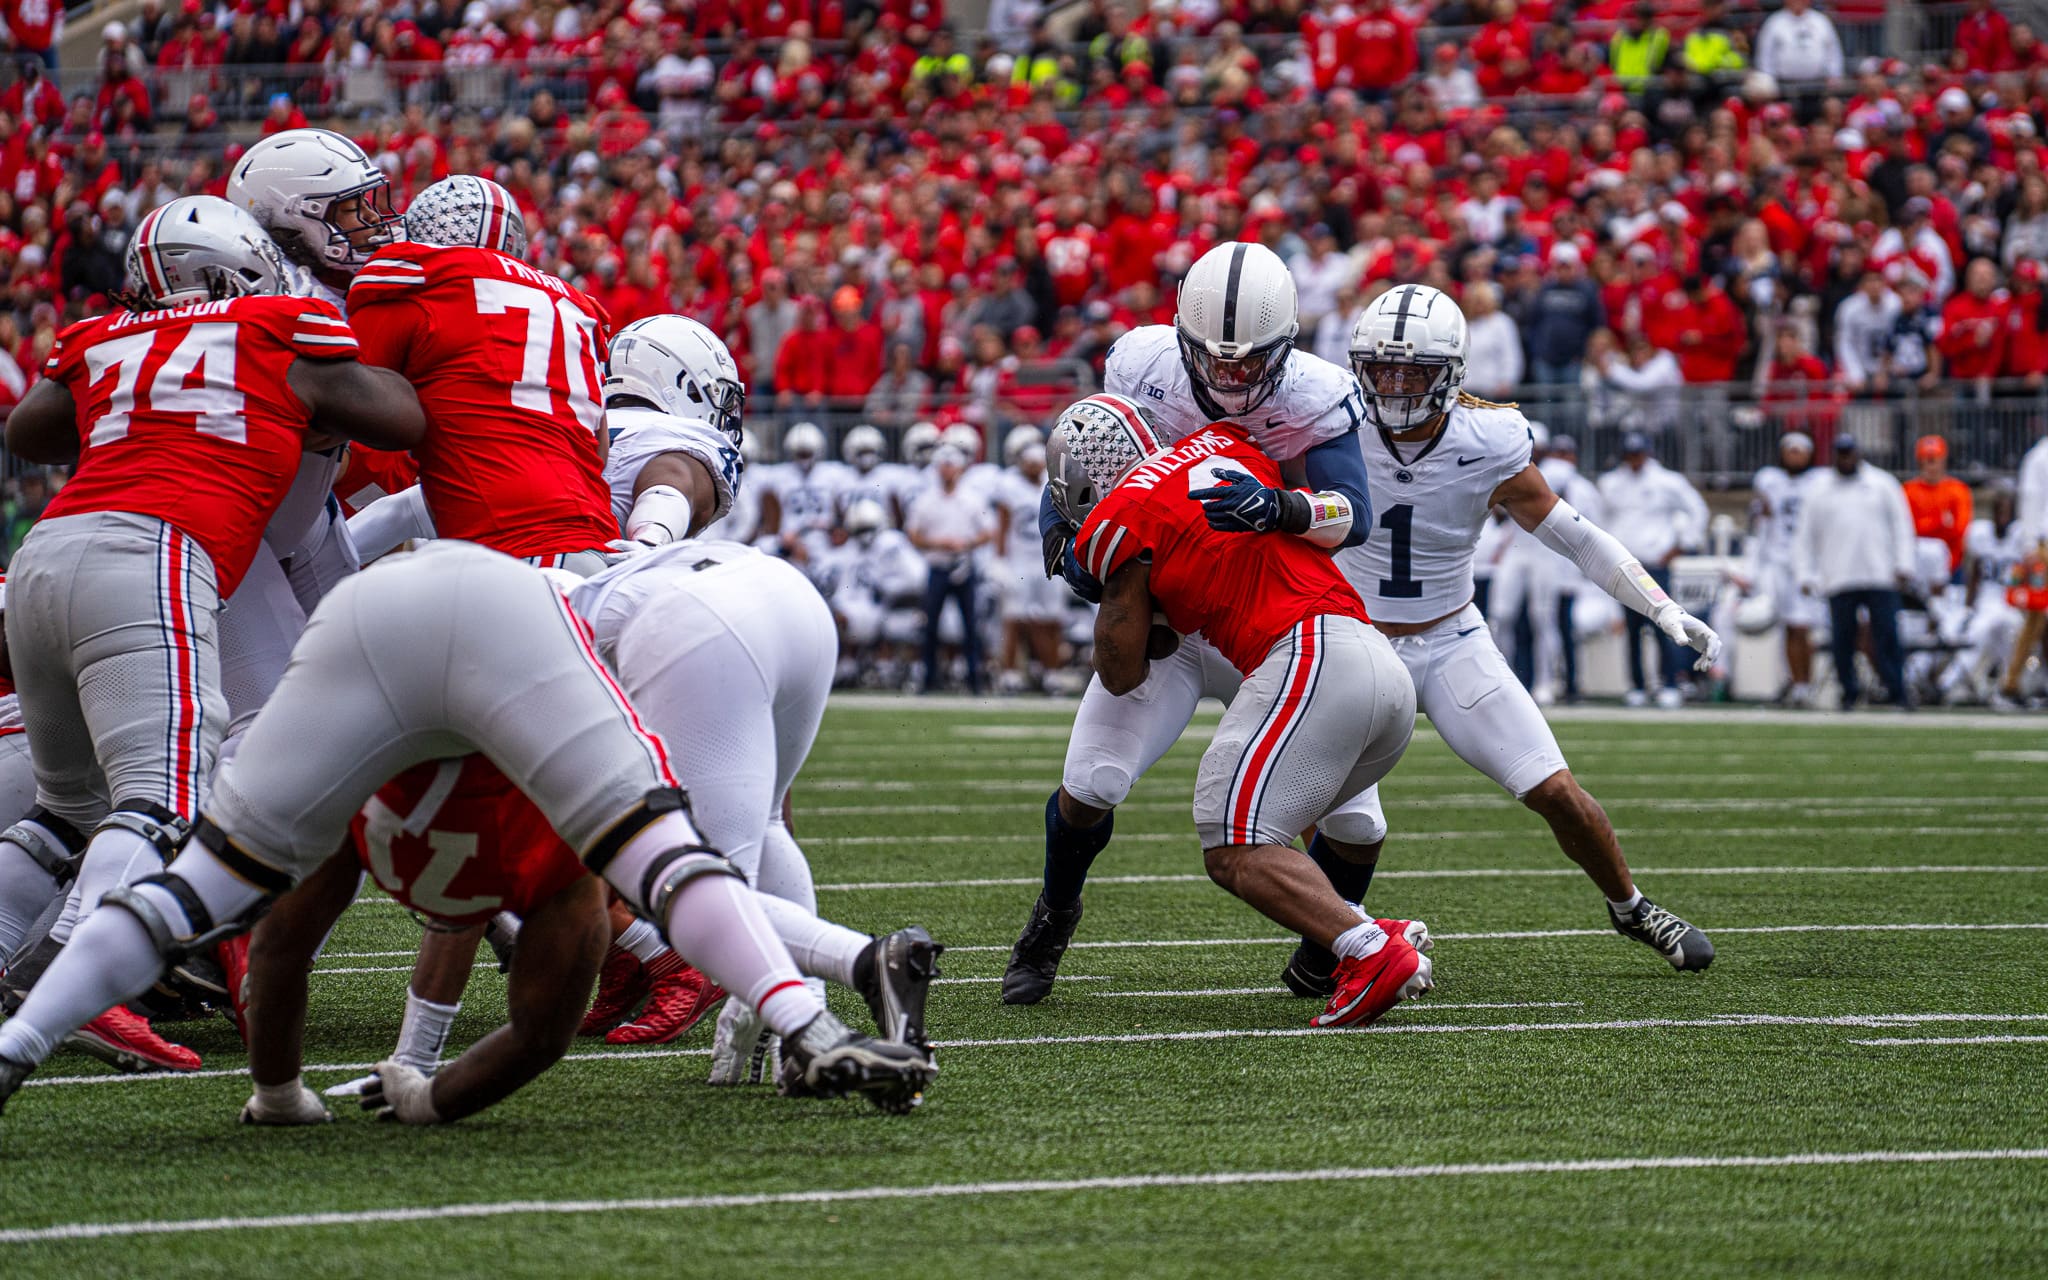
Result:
{"points": [[804, 442], [964, 438], [675, 364], [864, 519], [918, 442], [466, 209], [200, 249], [1020, 438], [1236, 320], [1095, 444], [1408, 353], [301, 184], [865, 448], [750, 447]]}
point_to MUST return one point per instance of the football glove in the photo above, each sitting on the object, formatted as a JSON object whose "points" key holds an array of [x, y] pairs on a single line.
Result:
{"points": [[401, 1093], [1242, 505], [1081, 582], [1689, 631], [744, 1050], [298, 1105]]}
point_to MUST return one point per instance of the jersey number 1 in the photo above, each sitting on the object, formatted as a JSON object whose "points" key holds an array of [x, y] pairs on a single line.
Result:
{"points": [[1400, 523], [548, 317]]}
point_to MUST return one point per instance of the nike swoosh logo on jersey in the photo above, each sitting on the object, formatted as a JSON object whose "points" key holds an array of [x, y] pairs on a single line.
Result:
{"points": [[1468, 631], [1466, 462]]}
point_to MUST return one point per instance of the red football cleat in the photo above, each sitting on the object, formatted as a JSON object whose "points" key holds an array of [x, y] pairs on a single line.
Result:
{"points": [[233, 958], [620, 986], [678, 1001], [127, 1042], [1415, 931], [1367, 988]]}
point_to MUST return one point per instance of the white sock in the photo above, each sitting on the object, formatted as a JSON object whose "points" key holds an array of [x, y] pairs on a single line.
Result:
{"points": [[114, 858], [785, 873], [643, 940], [1635, 899], [112, 962], [424, 1033], [26, 891], [1358, 943], [819, 947], [715, 921]]}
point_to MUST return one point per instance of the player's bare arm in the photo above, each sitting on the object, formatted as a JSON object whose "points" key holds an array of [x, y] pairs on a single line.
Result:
{"points": [[1123, 625], [44, 426], [1559, 526], [281, 952], [681, 474], [360, 402]]}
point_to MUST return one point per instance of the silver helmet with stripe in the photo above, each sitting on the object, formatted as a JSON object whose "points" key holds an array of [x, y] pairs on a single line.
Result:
{"points": [[200, 249], [466, 209], [1095, 443], [1408, 351], [1236, 321]]}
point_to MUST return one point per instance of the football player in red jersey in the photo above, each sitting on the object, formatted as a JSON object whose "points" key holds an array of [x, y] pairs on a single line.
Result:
{"points": [[186, 416], [507, 362], [1326, 708]]}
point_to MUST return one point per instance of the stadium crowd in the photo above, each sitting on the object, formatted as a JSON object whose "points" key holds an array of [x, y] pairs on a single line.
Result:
{"points": [[1701, 225]]}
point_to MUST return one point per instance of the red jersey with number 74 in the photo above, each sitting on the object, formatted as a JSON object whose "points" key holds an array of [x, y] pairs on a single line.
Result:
{"points": [[186, 415], [506, 361], [1244, 591]]}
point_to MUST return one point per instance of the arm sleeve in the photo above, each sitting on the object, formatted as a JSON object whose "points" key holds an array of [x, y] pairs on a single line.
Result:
{"points": [[390, 522], [1602, 559], [1336, 466]]}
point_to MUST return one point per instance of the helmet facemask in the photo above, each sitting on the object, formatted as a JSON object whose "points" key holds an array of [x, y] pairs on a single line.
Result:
{"points": [[1236, 384], [348, 248], [1401, 395]]}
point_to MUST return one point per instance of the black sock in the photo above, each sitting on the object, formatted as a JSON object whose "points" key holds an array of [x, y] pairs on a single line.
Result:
{"points": [[1349, 879], [1069, 852], [864, 968]]}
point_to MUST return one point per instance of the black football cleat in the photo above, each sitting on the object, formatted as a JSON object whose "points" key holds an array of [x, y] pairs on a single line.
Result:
{"points": [[1684, 945], [1035, 960], [12, 1073], [898, 972], [828, 1059], [1310, 972]]}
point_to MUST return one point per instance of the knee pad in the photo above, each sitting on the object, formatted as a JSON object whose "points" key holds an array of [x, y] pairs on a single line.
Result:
{"points": [[658, 803], [146, 900], [238, 860], [668, 873], [1354, 827], [1103, 785], [162, 828], [50, 842]]}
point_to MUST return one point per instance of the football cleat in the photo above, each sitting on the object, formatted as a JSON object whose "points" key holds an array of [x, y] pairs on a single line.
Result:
{"points": [[126, 1042], [743, 1049], [233, 958], [1035, 960], [12, 1073], [1682, 944], [677, 1002], [1367, 988], [621, 985], [1312, 972], [899, 970], [828, 1059]]}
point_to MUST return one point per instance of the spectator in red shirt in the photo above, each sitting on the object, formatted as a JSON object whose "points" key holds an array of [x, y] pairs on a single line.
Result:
{"points": [[118, 83], [1973, 326], [33, 99], [283, 114], [1502, 50], [1383, 51], [853, 349], [1983, 38], [800, 364], [1707, 332], [1798, 387], [2026, 326], [33, 25]]}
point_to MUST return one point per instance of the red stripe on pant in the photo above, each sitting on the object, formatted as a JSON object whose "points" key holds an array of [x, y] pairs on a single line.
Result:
{"points": [[184, 700], [656, 748], [1252, 782]]}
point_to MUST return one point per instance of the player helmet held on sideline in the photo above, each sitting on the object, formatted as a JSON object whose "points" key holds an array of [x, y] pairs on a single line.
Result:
{"points": [[1408, 352], [200, 249], [1236, 321], [1094, 444]]}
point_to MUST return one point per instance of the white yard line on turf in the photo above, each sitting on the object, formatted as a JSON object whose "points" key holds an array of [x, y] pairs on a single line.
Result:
{"points": [[1817, 805], [381, 968], [953, 1190], [1188, 838], [1449, 873], [1519, 934], [1281, 991], [1954, 1040]]}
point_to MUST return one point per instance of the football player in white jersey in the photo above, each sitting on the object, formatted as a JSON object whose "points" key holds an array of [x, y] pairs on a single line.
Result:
{"points": [[981, 475], [1439, 462], [876, 479], [1032, 604], [1780, 492], [1991, 547], [800, 494], [1229, 355], [672, 402]]}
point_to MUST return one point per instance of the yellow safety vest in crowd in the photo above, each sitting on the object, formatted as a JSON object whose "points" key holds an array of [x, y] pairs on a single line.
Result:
{"points": [[1132, 49], [929, 65], [1636, 58], [1708, 51]]}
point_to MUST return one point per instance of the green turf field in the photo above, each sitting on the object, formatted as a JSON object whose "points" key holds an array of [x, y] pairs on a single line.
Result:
{"points": [[1856, 1087]]}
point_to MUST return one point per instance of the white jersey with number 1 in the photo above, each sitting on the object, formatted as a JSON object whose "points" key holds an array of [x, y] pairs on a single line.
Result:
{"points": [[1429, 506]]}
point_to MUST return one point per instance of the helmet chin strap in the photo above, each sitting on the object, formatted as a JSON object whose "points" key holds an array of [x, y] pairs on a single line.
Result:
{"points": [[1434, 425]]}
